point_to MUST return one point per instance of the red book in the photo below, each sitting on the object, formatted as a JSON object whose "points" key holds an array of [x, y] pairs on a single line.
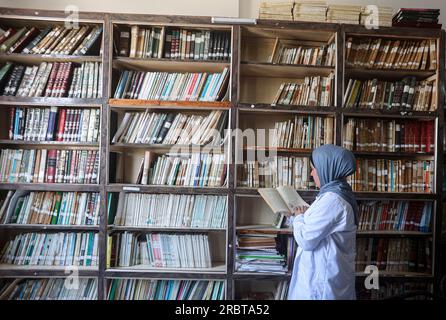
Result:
{"points": [[51, 166], [64, 80], [430, 137], [61, 125], [52, 79], [24, 40], [68, 125], [191, 87], [58, 80]]}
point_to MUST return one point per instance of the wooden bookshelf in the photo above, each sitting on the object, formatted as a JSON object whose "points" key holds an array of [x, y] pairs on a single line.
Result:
{"points": [[253, 84]]}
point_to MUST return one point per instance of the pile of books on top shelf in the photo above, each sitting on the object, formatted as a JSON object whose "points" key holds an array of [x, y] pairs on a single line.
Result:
{"points": [[276, 11], [376, 16], [258, 253], [310, 10], [343, 14], [417, 17], [51, 40]]}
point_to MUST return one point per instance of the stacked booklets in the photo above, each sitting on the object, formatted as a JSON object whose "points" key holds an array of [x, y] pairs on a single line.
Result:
{"points": [[407, 94], [49, 166], [49, 207], [303, 132], [310, 10], [58, 40], [394, 255], [49, 289], [391, 54], [389, 135], [53, 79], [385, 175], [395, 216], [139, 289], [347, 14], [258, 253], [280, 171], [54, 124], [197, 44], [172, 128], [276, 10], [172, 86], [171, 210], [162, 250], [52, 249], [376, 16], [313, 91], [417, 17], [199, 170]]}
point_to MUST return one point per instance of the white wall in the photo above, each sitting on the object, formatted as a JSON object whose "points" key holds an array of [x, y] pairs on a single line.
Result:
{"points": [[225, 8], [249, 8]]}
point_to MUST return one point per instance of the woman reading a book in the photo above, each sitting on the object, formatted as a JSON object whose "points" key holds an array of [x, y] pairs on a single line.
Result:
{"points": [[324, 266]]}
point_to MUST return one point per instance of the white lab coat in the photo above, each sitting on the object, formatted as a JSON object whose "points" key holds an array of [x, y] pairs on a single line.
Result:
{"points": [[324, 267]]}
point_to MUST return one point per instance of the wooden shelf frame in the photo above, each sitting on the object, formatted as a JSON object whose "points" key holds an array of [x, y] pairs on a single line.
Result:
{"points": [[237, 109]]}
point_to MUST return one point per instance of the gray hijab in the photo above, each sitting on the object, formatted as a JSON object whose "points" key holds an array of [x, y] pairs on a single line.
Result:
{"points": [[333, 165]]}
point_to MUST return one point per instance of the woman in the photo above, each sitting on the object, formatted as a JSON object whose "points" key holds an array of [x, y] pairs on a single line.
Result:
{"points": [[324, 267]]}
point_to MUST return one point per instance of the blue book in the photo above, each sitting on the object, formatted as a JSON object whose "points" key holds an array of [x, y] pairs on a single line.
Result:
{"points": [[205, 88]]}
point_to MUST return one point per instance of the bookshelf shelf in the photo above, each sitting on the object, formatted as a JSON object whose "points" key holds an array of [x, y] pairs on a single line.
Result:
{"points": [[252, 79], [50, 187], [162, 229], [267, 70], [387, 74], [169, 65], [134, 103], [42, 227], [163, 148], [38, 58]]}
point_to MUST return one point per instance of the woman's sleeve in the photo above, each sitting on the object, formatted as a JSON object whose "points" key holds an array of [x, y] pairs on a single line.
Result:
{"points": [[319, 221]]}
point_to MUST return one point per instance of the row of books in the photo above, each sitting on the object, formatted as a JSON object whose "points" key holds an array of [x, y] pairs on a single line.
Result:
{"points": [[61, 40], [198, 44], [171, 210], [385, 175], [417, 17], [52, 79], [52, 249], [172, 86], [49, 289], [405, 95], [278, 292], [395, 216], [171, 128], [140, 289], [159, 250], [281, 171], [389, 135], [313, 91], [54, 124], [394, 254], [303, 132], [287, 52], [139, 42], [50, 208], [391, 54], [195, 170], [258, 253], [49, 166], [391, 290]]}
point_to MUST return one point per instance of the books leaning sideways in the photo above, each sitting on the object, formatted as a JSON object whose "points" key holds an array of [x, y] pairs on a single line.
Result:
{"points": [[276, 11], [310, 10], [417, 18], [376, 16], [343, 14], [258, 253]]}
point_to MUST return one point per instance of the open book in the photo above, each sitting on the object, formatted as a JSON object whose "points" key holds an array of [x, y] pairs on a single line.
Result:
{"points": [[282, 200]]}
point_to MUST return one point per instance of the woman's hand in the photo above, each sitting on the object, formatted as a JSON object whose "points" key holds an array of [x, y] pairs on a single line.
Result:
{"points": [[298, 210]]}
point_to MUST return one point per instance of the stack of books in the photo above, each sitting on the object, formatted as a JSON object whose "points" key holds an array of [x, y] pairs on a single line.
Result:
{"points": [[310, 10], [276, 11], [259, 254], [376, 16], [343, 14], [417, 17]]}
